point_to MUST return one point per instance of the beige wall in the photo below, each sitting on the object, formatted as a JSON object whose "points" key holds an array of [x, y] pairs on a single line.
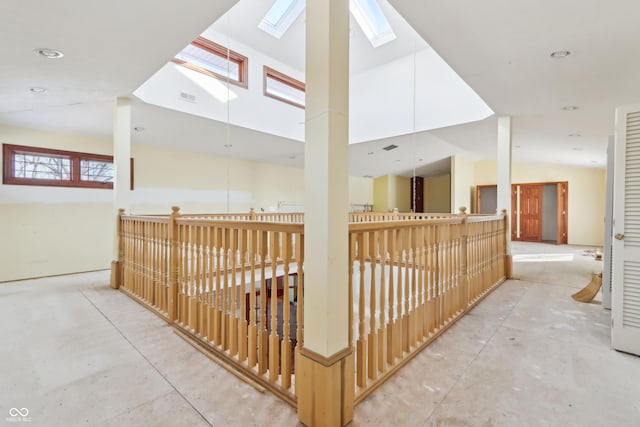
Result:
{"points": [[50, 230], [381, 194], [437, 191], [586, 194], [390, 192], [462, 182]]}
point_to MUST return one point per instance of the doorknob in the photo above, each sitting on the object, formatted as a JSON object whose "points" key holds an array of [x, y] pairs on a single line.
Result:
{"points": [[619, 236]]}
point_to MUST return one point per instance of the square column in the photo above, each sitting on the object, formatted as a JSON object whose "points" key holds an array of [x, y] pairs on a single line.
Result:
{"points": [[504, 181], [122, 172], [324, 368]]}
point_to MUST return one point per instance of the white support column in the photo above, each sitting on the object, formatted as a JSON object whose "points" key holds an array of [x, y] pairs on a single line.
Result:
{"points": [[324, 375], [504, 179], [122, 170]]}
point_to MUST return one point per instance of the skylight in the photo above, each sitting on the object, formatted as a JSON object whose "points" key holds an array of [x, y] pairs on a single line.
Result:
{"points": [[372, 21], [281, 15], [212, 59], [367, 14]]}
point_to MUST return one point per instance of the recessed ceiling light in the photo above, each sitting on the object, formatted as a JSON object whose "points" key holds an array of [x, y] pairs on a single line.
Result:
{"points": [[575, 135], [49, 53], [37, 89], [560, 54], [570, 107], [577, 149], [138, 129]]}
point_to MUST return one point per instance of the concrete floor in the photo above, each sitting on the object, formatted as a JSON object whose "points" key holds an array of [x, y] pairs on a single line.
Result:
{"points": [[76, 352]]}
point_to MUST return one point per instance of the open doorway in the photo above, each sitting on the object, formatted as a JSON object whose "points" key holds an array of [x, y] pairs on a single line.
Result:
{"points": [[538, 210]]}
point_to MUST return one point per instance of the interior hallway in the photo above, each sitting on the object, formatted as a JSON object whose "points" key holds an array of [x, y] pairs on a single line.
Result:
{"points": [[76, 352]]}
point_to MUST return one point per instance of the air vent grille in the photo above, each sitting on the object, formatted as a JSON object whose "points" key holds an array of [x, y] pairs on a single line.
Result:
{"points": [[390, 147], [187, 97]]}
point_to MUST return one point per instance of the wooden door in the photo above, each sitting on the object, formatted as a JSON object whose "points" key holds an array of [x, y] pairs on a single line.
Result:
{"points": [[563, 215], [531, 212], [417, 205], [514, 212], [625, 310]]}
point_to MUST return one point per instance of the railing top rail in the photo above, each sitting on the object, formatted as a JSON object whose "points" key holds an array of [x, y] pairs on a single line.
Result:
{"points": [[148, 218], [293, 227], [484, 218], [404, 223]]}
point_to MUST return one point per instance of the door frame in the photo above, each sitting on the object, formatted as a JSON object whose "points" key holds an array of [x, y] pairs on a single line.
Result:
{"points": [[562, 236]]}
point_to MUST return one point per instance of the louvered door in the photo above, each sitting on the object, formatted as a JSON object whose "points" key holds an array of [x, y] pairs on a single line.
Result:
{"points": [[625, 331]]}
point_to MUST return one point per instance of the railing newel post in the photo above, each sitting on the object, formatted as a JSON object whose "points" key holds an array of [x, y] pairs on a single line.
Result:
{"points": [[174, 265], [508, 261], [252, 214], [117, 265]]}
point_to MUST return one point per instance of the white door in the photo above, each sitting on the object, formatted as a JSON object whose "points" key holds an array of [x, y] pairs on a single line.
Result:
{"points": [[625, 325]]}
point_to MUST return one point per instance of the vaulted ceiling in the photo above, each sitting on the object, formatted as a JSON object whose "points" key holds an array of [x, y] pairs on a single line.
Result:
{"points": [[500, 48]]}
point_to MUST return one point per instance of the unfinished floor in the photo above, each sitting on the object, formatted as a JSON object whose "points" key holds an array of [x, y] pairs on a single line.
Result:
{"points": [[75, 352]]}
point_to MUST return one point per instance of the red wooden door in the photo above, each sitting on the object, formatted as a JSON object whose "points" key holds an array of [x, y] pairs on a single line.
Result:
{"points": [[531, 213]]}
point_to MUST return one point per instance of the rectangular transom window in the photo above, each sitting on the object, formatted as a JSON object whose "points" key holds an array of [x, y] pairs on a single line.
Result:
{"points": [[214, 60], [43, 166], [283, 88]]}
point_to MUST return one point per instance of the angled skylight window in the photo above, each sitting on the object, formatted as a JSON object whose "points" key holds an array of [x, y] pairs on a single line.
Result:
{"points": [[217, 61], [372, 21], [281, 15], [367, 14]]}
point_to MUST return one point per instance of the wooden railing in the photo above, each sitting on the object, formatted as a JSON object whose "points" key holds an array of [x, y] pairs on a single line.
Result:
{"points": [[232, 284], [145, 247], [412, 279]]}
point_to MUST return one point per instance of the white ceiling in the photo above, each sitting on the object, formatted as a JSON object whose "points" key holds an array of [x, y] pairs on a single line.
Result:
{"points": [[500, 48]]}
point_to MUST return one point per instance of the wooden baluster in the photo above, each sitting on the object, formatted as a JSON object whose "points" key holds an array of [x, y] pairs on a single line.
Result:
{"points": [[274, 340], [184, 296], [382, 324], [210, 273], [224, 327], [398, 256], [243, 328], [299, 296], [391, 326], [234, 323], [373, 332], [263, 334], [406, 256], [417, 288], [217, 320], [253, 328], [199, 282], [424, 279], [361, 343], [285, 351], [191, 302]]}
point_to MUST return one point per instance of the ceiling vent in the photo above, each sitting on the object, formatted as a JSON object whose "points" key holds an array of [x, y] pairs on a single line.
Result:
{"points": [[390, 147], [187, 97]]}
